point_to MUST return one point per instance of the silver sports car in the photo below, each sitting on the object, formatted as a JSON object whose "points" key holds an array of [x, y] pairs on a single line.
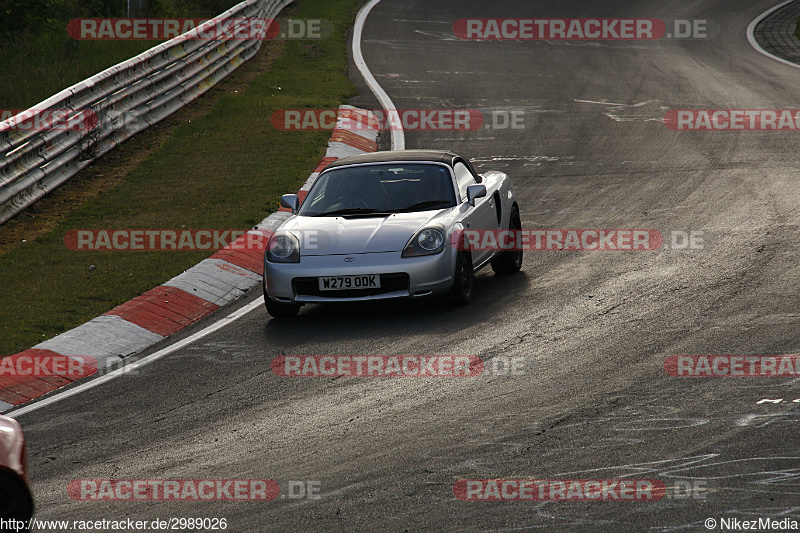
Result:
{"points": [[389, 225]]}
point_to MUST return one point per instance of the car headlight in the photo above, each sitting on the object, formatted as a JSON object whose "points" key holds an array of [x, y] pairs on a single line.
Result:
{"points": [[429, 241], [283, 248]]}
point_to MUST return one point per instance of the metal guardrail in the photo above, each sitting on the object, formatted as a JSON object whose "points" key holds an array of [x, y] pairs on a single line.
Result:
{"points": [[125, 99]]}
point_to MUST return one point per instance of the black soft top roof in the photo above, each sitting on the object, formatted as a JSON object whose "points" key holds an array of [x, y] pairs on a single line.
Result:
{"points": [[437, 156]]}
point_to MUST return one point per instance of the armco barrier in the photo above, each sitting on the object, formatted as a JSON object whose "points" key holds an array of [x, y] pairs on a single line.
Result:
{"points": [[124, 100], [141, 322]]}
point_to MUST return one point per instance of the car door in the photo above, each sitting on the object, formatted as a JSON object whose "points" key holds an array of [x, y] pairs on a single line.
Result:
{"points": [[483, 216]]}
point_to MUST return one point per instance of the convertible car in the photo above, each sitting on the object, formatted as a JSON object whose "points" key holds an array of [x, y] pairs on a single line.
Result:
{"points": [[389, 225], [16, 501]]}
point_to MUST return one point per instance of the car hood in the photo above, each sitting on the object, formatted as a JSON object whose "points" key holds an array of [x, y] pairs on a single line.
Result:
{"points": [[357, 235]]}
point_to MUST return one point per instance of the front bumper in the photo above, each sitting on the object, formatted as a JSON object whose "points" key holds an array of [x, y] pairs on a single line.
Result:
{"points": [[401, 277]]}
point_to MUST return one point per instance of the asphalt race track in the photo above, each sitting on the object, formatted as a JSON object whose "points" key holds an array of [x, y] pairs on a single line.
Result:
{"points": [[593, 329]]}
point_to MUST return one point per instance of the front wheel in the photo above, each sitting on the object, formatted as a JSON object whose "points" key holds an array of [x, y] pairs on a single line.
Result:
{"points": [[279, 309], [510, 261], [461, 293]]}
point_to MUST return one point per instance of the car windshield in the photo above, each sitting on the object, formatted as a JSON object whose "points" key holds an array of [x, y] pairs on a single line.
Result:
{"points": [[367, 190]]}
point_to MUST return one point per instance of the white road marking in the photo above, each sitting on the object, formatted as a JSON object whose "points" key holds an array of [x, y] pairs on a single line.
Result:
{"points": [[221, 323], [441, 35], [596, 102], [450, 23], [622, 112], [398, 137]]}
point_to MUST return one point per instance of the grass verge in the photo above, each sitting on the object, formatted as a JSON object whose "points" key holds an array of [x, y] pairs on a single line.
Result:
{"points": [[38, 58], [225, 169], [35, 67]]}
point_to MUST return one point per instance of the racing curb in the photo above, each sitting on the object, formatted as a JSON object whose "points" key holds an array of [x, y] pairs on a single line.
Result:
{"points": [[147, 319], [774, 31]]}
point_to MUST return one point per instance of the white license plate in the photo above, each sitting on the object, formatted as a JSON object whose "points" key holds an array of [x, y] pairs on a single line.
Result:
{"points": [[343, 283]]}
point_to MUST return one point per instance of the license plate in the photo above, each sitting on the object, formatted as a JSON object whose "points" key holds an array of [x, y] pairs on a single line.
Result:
{"points": [[343, 283]]}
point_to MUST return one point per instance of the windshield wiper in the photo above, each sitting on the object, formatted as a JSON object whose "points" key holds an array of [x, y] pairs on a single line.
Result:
{"points": [[422, 205], [353, 211]]}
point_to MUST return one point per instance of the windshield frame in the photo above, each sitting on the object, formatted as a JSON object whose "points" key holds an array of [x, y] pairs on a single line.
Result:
{"points": [[453, 184]]}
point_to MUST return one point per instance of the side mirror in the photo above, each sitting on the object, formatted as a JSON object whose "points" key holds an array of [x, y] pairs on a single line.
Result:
{"points": [[473, 192], [292, 201]]}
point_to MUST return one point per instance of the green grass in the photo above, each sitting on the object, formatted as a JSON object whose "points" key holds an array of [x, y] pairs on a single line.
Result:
{"points": [[39, 59], [224, 170], [35, 67]]}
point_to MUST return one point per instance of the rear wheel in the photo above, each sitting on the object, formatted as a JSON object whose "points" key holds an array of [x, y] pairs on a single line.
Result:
{"points": [[461, 293], [509, 261]]}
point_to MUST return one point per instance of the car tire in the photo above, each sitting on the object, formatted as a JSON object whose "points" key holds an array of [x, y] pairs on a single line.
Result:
{"points": [[463, 278], [509, 261], [15, 498], [279, 309]]}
